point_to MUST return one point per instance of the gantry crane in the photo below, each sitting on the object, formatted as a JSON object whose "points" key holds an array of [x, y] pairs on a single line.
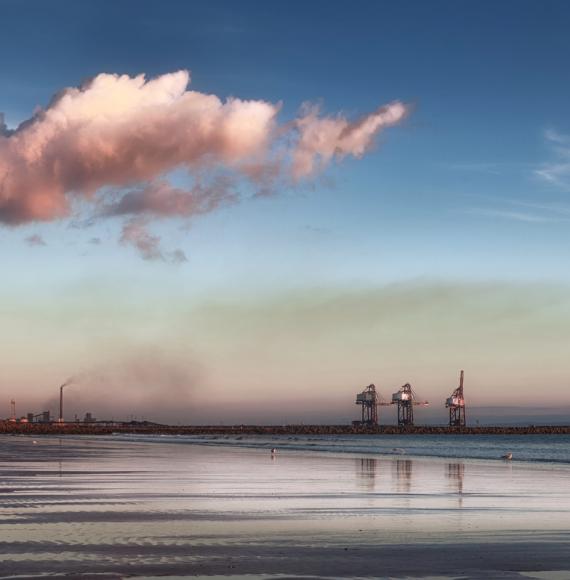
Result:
{"points": [[406, 399], [456, 405], [370, 400]]}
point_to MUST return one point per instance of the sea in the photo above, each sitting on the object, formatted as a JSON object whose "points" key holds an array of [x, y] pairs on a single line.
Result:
{"points": [[553, 449]]}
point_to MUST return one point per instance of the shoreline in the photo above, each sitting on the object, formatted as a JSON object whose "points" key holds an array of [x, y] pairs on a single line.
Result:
{"points": [[396, 447], [380, 455]]}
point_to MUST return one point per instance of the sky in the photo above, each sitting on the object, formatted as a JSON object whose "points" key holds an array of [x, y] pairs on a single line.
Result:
{"points": [[247, 212]]}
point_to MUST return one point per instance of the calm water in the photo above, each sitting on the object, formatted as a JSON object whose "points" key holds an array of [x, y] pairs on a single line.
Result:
{"points": [[530, 448]]}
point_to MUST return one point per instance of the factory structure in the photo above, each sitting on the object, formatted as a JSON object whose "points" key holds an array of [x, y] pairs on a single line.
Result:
{"points": [[45, 416], [406, 399]]}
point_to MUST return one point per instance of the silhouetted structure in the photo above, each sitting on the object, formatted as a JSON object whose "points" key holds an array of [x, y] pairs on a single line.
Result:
{"points": [[60, 420], [405, 398], [456, 405], [368, 400]]}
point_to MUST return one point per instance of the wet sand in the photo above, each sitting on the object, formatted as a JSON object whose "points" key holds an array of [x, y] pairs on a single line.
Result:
{"points": [[99, 506]]}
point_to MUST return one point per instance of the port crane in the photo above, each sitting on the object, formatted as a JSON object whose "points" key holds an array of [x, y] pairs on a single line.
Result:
{"points": [[370, 400], [406, 399], [456, 405]]}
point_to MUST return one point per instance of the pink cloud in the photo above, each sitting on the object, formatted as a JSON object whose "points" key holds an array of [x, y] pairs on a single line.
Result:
{"points": [[135, 234], [118, 130], [322, 139], [160, 199], [108, 145]]}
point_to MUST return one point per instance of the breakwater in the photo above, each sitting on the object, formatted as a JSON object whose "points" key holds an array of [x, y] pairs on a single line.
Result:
{"points": [[8, 427]]}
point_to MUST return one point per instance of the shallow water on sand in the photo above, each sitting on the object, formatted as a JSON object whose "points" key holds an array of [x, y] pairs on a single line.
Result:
{"points": [[83, 505], [530, 448]]}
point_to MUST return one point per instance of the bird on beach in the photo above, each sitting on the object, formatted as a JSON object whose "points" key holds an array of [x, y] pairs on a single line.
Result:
{"points": [[508, 456], [273, 451]]}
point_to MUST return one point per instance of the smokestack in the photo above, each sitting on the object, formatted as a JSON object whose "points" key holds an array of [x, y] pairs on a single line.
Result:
{"points": [[68, 382]]}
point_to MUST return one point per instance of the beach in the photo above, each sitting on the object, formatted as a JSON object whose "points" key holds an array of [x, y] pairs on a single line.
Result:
{"points": [[119, 507]]}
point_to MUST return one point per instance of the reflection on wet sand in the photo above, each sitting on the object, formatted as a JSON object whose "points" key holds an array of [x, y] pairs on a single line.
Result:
{"points": [[455, 474], [402, 471], [366, 469], [60, 459]]}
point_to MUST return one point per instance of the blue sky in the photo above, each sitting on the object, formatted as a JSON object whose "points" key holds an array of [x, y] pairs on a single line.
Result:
{"points": [[486, 80], [471, 188]]}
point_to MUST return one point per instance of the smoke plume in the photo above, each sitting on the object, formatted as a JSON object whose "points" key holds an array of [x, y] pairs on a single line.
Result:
{"points": [[145, 382]]}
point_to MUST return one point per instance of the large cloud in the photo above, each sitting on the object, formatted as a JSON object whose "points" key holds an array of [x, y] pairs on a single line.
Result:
{"points": [[118, 130], [121, 133]]}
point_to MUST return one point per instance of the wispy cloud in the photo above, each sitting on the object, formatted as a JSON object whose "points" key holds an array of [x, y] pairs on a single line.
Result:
{"points": [[322, 139], [317, 231], [556, 137], [476, 167], [160, 199], [555, 208], [520, 210], [178, 257], [487, 167], [519, 216], [35, 240], [557, 171], [135, 233]]}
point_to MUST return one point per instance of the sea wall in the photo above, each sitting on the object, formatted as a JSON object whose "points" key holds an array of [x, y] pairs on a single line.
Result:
{"points": [[7, 427]]}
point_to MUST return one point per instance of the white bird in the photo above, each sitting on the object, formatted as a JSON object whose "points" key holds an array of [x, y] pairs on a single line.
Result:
{"points": [[273, 451], [508, 456]]}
